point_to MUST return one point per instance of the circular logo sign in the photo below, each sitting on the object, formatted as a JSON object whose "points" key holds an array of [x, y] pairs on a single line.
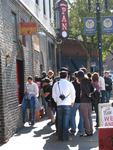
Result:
{"points": [[64, 34], [90, 23], [107, 23]]}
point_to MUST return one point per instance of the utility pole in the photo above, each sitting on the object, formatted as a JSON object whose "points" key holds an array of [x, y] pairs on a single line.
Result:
{"points": [[99, 36]]}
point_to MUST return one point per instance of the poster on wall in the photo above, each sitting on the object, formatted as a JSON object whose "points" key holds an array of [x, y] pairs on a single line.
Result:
{"points": [[35, 43], [106, 115]]}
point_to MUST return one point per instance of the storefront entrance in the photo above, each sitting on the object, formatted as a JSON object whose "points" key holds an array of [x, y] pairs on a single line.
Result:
{"points": [[20, 79]]}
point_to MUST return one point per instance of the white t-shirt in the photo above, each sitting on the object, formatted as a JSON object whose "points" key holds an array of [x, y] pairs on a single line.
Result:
{"points": [[101, 83], [32, 89]]}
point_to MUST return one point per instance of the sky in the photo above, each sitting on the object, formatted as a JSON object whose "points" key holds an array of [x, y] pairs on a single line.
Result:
{"points": [[71, 0]]}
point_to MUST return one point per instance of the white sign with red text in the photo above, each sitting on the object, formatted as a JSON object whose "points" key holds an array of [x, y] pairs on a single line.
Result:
{"points": [[105, 115]]}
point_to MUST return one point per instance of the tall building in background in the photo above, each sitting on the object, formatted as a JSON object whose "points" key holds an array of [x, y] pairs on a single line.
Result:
{"points": [[27, 47]]}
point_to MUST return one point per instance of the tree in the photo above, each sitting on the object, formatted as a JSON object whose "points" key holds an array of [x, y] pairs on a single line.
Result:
{"points": [[80, 9]]}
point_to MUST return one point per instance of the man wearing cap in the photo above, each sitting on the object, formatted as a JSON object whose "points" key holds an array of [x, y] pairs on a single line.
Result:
{"points": [[63, 93]]}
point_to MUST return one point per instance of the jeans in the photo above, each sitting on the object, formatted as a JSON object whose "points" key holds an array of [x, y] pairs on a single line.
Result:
{"points": [[103, 96], [63, 118], [108, 95], [28, 103], [73, 116]]}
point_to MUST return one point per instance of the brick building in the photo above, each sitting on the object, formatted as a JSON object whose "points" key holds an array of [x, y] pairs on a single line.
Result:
{"points": [[21, 56]]}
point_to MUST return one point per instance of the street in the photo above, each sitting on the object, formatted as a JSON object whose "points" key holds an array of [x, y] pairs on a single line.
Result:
{"points": [[42, 137]]}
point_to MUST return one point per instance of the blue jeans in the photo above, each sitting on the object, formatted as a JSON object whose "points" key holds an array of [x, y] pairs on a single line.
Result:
{"points": [[103, 96], [28, 103], [108, 95], [73, 116], [63, 118]]}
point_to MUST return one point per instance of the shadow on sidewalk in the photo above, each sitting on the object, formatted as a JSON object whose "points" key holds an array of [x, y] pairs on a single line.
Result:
{"points": [[24, 130], [45, 130], [76, 142]]}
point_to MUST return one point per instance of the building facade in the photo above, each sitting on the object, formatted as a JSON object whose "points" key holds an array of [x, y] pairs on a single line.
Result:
{"points": [[22, 55], [73, 55]]}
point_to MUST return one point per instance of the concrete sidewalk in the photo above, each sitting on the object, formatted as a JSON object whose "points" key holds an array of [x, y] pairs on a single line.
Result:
{"points": [[43, 137]]}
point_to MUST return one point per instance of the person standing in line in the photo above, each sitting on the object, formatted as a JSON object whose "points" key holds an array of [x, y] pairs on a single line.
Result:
{"points": [[47, 89], [89, 75], [85, 71], [51, 76], [96, 95], [108, 85], [39, 107], [44, 103], [76, 107], [63, 93], [102, 89], [31, 93], [85, 103], [43, 75]]}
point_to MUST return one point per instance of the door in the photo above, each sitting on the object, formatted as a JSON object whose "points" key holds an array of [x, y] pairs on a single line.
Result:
{"points": [[20, 79]]}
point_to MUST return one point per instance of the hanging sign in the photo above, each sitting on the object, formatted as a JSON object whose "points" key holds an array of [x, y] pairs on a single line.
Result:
{"points": [[107, 24], [27, 28], [63, 13], [89, 26]]}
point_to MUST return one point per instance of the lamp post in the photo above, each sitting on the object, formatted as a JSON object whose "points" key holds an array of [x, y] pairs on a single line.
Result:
{"points": [[99, 32], [99, 36], [59, 42]]}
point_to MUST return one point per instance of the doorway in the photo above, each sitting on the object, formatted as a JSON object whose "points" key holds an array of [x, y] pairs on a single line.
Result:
{"points": [[20, 79]]}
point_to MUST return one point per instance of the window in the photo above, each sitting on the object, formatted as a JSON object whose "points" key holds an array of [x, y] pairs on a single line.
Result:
{"points": [[14, 25], [37, 2], [50, 9], [23, 36], [44, 7]]}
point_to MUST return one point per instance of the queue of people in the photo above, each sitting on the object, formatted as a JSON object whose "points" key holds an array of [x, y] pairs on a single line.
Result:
{"points": [[59, 99]]}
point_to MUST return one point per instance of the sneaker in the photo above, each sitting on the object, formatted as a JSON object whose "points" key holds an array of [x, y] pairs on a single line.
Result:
{"points": [[86, 135], [51, 123], [31, 123], [72, 132], [96, 126]]}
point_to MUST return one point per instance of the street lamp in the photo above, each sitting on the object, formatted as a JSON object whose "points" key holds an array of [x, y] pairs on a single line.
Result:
{"points": [[99, 30], [99, 36]]}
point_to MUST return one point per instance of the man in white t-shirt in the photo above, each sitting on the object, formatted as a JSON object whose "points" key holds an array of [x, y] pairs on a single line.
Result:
{"points": [[63, 94]]}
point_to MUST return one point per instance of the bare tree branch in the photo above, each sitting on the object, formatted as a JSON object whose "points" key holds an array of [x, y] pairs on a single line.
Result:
{"points": [[69, 2], [110, 52]]}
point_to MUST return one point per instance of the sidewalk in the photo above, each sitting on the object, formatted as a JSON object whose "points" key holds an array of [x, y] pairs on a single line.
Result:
{"points": [[43, 137]]}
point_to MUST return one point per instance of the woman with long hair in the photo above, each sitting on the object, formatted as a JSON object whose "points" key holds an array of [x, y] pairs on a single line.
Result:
{"points": [[96, 95]]}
